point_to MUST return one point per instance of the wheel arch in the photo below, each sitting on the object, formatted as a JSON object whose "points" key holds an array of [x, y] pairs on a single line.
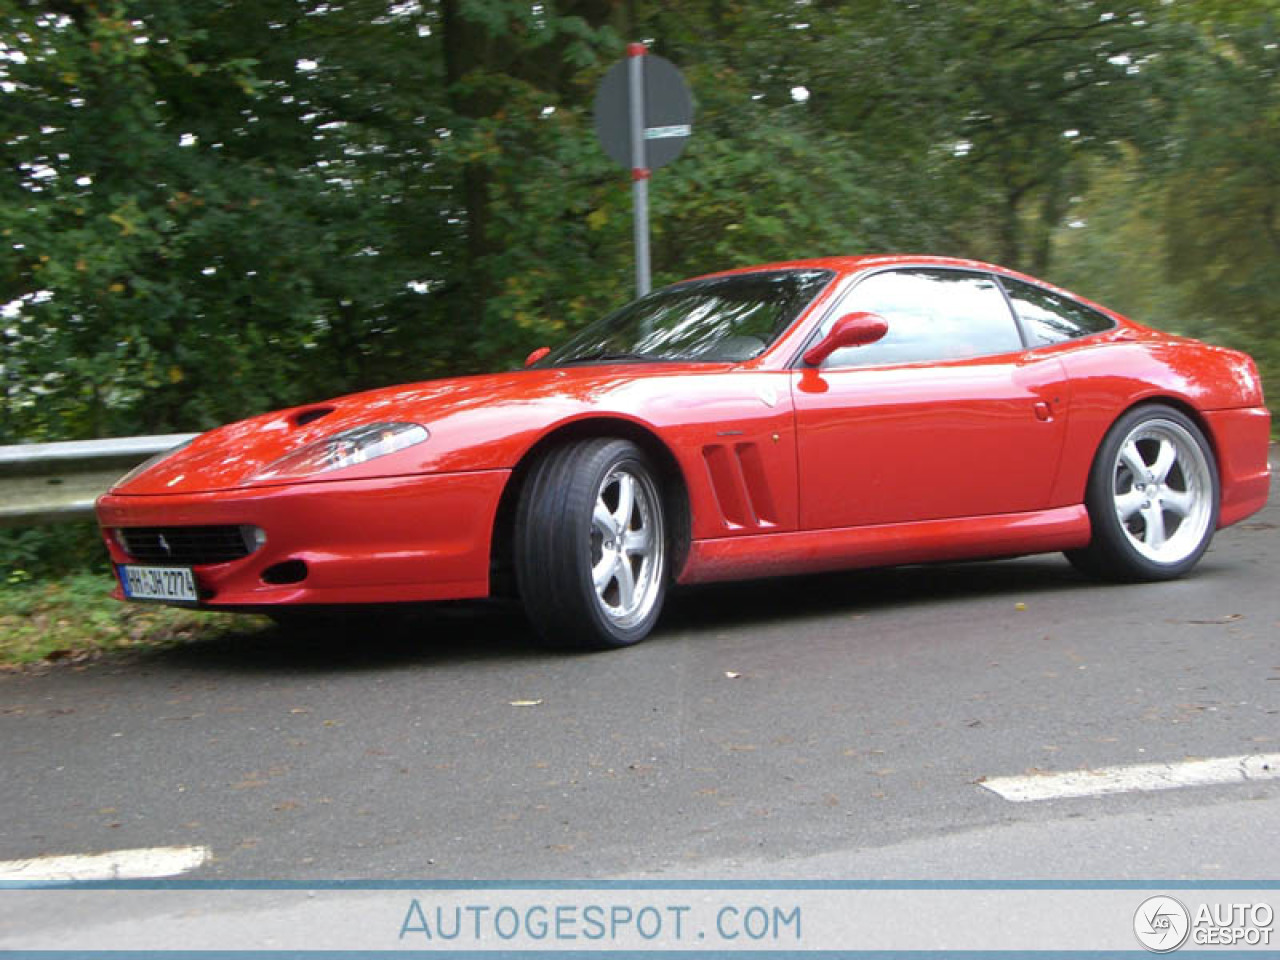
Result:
{"points": [[1183, 406], [1111, 552], [675, 491]]}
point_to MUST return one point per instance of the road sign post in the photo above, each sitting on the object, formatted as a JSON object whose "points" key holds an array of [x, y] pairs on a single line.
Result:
{"points": [[639, 172], [643, 116]]}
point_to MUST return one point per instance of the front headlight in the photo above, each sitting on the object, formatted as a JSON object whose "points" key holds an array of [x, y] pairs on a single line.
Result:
{"points": [[346, 449]]}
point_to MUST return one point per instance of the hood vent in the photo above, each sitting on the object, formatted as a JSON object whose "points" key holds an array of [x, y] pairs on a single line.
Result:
{"points": [[310, 415]]}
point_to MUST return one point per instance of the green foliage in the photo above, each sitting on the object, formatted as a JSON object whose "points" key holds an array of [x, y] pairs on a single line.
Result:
{"points": [[35, 553], [213, 207], [72, 618], [1185, 234]]}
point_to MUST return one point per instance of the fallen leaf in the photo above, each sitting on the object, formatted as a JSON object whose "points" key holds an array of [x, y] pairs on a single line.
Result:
{"points": [[1019, 606]]}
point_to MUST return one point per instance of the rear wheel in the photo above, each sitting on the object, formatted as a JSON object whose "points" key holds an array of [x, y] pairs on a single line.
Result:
{"points": [[1152, 498], [591, 545]]}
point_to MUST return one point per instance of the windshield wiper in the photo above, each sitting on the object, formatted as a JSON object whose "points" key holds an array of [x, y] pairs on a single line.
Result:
{"points": [[606, 356]]}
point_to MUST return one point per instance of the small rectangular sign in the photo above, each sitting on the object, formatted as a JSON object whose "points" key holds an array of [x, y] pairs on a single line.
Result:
{"points": [[665, 133], [158, 583]]}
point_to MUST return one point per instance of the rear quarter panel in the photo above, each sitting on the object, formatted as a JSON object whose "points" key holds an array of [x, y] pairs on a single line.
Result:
{"points": [[1110, 376]]}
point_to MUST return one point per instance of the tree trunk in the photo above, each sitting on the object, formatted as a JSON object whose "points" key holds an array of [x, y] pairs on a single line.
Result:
{"points": [[1010, 229]]}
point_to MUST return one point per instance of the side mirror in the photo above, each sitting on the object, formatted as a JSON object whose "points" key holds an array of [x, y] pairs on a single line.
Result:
{"points": [[851, 330], [537, 355]]}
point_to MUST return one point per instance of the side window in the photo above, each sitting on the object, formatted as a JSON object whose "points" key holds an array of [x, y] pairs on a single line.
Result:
{"points": [[932, 315], [1050, 318]]}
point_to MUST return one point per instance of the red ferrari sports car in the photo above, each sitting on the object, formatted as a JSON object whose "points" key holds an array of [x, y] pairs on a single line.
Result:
{"points": [[796, 417]]}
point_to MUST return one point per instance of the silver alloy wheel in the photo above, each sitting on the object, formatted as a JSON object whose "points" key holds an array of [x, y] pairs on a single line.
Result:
{"points": [[627, 545], [1163, 491]]}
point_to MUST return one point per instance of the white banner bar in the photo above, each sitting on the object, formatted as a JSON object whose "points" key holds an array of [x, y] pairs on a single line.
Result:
{"points": [[560, 920]]}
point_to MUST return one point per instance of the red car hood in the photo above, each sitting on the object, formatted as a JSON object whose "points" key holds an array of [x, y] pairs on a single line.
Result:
{"points": [[476, 422]]}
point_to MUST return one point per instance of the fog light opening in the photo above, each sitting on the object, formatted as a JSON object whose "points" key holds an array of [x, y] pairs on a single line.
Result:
{"points": [[290, 571], [255, 538]]}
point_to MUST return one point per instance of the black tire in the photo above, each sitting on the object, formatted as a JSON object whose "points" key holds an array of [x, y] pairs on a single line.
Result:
{"points": [[588, 576], [1152, 498]]}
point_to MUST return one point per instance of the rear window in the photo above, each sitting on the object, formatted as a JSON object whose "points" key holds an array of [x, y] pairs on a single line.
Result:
{"points": [[1051, 318]]}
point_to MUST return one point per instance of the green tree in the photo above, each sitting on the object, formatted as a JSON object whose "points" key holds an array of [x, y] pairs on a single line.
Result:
{"points": [[213, 207]]}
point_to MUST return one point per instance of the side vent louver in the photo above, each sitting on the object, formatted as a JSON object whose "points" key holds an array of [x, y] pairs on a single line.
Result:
{"points": [[740, 484]]}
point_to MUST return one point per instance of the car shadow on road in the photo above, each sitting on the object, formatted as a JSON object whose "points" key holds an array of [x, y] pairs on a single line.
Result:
{"points": [[863, 591], [370, 640], [447, 634]]}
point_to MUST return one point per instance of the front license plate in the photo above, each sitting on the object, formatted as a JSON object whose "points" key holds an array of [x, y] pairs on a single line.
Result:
{"points": [[158, 583]]}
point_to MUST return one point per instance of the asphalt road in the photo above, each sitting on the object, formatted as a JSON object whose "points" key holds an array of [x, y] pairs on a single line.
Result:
{"points": [[834, 726]]}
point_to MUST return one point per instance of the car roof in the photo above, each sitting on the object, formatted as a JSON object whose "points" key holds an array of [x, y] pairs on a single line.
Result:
{"points": [[854, 263], [847, 265]]}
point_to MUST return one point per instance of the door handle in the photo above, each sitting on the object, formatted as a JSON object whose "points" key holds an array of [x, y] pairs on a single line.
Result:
{"points": [[1043, 411]]}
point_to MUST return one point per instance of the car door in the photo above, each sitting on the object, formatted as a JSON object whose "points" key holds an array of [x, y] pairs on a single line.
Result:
{"points": [[948, 415]]}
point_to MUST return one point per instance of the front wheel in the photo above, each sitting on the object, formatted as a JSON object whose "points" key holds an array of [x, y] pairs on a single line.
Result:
{"points": [[1152, 498], [591, 545]]}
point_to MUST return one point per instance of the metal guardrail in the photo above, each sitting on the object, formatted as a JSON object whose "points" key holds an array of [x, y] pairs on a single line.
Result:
{"points": [[58, 482]]}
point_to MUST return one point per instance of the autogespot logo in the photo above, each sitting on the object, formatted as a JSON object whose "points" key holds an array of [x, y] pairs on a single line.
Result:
{"points": [[1161, 924]]}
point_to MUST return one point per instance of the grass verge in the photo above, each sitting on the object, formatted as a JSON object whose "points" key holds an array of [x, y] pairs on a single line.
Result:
{"points": [[71, 617]]}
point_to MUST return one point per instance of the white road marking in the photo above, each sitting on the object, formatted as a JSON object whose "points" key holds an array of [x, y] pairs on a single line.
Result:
{"points": [[1140, 777], [141, 864]]}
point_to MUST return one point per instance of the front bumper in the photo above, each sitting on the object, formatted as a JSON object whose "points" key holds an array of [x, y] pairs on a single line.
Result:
{"points": [[383, 540]]}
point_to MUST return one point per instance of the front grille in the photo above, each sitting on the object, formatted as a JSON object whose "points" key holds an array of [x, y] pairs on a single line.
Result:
{"points": [[187, 545]]}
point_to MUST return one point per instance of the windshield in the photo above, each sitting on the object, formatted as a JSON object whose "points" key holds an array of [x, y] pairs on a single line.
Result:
{"points": [[725, 319]]}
